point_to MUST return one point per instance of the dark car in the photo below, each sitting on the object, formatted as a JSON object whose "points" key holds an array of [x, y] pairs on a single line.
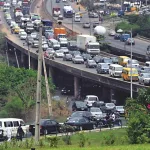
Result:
{"points": [[47, 126], [117, 37], [67, 90], [95, 24], [79, 106], [107, 106], [81, 123], [72, 45], [90, 63], [97, 59], [86, 56], [102, 68], [85, 114], [106, 60], [114, 60], [29, 40], [67, 57]]}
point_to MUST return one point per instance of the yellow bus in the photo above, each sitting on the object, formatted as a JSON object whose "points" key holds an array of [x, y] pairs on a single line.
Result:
{"points": [[122, 60]]}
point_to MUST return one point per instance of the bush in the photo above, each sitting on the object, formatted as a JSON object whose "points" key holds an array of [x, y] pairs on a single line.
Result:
{"points": [[109, 140], [67, 139], [82, 140], [53, 141]]}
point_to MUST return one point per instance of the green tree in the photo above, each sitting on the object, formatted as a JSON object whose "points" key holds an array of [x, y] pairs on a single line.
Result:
{"points": [[139, 117]]}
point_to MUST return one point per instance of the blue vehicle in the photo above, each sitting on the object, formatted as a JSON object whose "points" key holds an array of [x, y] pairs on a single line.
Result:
{"points": [[124, 37]]}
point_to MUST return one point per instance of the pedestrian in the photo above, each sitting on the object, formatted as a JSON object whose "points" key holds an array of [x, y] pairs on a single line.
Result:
{"points": [[9, 133], [20, 133]]}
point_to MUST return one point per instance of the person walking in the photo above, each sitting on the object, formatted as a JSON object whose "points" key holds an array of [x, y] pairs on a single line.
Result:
{"points": [[9, 133], [20, 132]]}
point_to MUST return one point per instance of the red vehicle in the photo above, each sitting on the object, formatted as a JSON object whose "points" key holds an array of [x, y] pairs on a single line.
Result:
{"points": [[56, 11], [1, 2]]}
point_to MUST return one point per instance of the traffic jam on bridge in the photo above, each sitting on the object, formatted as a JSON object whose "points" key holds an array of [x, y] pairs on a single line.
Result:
{"points": [[84, 50]]}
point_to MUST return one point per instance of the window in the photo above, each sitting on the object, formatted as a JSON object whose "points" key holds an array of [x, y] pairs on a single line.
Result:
{"points": [[48, 123], [16, 123], [54, 122], [8, 124], [22, 123]]}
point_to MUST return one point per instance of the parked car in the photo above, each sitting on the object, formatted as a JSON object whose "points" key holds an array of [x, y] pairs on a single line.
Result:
{"points": [[47, 126], [67, 57], [102, 68], [59, 54], [130, 41], [68, 90], [85, 114], [81, 123], [79, 106], [96, 112], [78, 59], [144, 78], [86, 25], [120, 109], [90, 63]]}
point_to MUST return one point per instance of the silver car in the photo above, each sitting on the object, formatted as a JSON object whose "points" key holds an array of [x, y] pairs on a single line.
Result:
{"points": [[144, 78], [78, 59], [86, 25]]}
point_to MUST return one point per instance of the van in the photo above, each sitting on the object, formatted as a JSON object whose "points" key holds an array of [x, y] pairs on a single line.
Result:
{"points": [[54, 44], [12, 123], [122, 60], [90, 99], [115, 70], [126, 74]]}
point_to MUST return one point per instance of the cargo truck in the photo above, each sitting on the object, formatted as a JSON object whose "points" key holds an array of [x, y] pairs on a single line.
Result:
{"points": [[59, 33], [68, 11], [88, 43], [56, 11]]}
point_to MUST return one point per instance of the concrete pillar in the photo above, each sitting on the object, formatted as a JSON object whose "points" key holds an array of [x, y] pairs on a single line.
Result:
{"points": [[76, 87], [112, 96], [106, 94], [22, 59], [50, 73]]}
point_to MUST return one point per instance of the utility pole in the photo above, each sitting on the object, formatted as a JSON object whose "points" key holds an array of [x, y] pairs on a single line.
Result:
{"points": [[38, 92], [52, 7], [72, 25], [29, 57], [47, 89], [131, 88]]}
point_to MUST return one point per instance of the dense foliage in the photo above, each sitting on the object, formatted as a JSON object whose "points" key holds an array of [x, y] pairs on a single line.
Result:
{"points": [[18, 91], [139, 117], [139, 24]]}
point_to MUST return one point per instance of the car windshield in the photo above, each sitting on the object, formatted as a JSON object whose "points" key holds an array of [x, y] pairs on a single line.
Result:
{"points": [[78, 57], [110, 105], [118, 68], [95, 110], [146, 75], [133, 62], [94, 46], [107, 60], [77, 114], [119, 107], [92, 98], [105, 66], [59, 51], [74, 120], [81, 104], [133, 72]]}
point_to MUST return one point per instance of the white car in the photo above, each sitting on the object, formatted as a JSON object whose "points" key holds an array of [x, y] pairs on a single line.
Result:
{"points": [[144, 78], [64, 0], [59, 54], [96, 112], [120, 109], [77, 18], [20, 31], [23, 35], [90, 99], [34, 35], [64, 49]]}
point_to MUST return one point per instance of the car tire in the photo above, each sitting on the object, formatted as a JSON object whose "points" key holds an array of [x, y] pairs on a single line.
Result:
{"points": [[45, 132], [80, 128]]}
